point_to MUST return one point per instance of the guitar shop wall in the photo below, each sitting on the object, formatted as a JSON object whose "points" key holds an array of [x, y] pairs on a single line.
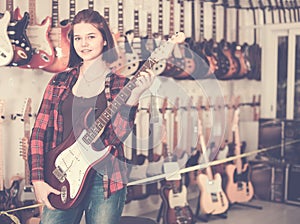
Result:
{"points": [[209, 20]]}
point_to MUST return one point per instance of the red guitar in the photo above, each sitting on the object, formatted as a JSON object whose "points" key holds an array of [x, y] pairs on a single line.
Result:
{"points": [[239, 187], [68, 165], [43, 51], [60, 41], [212, 199]]}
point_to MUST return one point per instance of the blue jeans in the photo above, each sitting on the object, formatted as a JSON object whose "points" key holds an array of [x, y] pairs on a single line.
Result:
{"points": [[97, 209]]}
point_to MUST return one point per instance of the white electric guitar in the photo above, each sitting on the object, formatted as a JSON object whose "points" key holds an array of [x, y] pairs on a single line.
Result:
{"points": [[6, 48]]}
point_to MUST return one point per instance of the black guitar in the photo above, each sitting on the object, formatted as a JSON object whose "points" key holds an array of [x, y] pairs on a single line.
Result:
{"points": [[17, 34]]}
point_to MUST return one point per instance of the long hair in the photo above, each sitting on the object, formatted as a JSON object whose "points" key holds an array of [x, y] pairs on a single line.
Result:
{"points": [[93, 17]]}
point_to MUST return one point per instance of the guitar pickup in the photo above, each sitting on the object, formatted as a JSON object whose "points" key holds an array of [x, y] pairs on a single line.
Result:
{"points": [[59, 174]]}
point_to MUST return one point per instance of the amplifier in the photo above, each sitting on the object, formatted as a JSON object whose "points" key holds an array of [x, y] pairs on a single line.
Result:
{"points": [[268, 180], [292, 183]]}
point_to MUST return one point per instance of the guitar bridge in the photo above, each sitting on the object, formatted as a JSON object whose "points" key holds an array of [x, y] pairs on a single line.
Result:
{"points": [[59, 174]]}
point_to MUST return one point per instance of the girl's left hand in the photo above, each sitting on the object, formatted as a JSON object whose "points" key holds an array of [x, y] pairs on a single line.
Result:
{"points": [[143, 82]]}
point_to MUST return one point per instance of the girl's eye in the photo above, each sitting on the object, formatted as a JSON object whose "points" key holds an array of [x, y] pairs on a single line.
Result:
{"points": [[77, 38], [91, 37]]}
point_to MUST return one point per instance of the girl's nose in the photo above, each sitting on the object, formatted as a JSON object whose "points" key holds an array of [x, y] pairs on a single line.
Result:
{"points": [[84, 42]]}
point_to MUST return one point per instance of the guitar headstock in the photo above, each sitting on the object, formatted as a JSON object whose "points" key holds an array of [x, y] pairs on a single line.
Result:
{"points": [[166, 48], [26, 119]]}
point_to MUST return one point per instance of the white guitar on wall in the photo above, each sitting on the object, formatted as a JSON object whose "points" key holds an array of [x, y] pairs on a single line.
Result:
{"points": [[6, 48]]}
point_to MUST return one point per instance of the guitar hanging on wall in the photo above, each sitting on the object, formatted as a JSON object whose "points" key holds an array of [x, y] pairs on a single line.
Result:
{"points": [[6, 48], [68, 165], [43, 52], [18, 37], [60, 41]]}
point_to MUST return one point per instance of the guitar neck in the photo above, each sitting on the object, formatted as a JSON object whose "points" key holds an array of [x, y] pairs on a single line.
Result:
{"points": [[106, 14], [160, 18], [1, 147], [171, 28], [91, 4], [136, 24], [55, 13], [120, 18], [181, 20], [32, 12], [72, 10]]}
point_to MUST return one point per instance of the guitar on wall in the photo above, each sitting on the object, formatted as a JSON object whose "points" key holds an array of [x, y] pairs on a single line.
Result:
{"points": [[26, 195], [8, 197], [69, 164], [239, 187], [212, 197], [176, 209], [6, 48], [43, 51], [18, 37], [59, 38]]}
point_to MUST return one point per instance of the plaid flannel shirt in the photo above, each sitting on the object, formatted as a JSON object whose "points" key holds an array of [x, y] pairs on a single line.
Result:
{"points": [[47, 132]]}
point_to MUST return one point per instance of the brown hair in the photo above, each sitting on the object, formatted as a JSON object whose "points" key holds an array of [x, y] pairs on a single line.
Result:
{"points": [[93, 17]]}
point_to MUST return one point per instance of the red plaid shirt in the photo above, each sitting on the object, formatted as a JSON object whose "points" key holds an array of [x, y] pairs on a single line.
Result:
{"points": [[47, 132]]}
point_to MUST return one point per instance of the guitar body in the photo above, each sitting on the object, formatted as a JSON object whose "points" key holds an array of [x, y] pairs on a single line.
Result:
{"points": [[213, 199], [175, 207], [223, 63], [61, 43], [255, 61], [43, 52], [189, 63], [238, 188], [231, 67], [6, 48], [69, 166], [244, 65], [21, 45], [210, 58]]}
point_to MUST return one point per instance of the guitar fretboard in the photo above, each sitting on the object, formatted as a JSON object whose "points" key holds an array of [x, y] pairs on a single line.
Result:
{"points": [[120, 18], [55, 11], [160, 17], [136, 23], [32, 12], [91, 4], [106, 14], [72, 10]]}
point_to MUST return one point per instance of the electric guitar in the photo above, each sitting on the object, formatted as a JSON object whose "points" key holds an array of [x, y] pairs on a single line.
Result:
{"points": [[176, 209], [212, 197], [68, 165], [6, 48], [8, 197], [18, 37], [26, 195], [239, 187], [59, 38], [43, 51]]}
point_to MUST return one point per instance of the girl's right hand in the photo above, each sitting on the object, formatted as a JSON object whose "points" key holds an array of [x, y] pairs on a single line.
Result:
{"points": [[42, 190]]}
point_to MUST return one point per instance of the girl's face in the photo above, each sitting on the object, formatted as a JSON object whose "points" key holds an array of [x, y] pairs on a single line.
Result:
{"points": [[88, 41]]}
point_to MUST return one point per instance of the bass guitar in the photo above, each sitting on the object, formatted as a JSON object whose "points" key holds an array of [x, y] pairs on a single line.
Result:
{"points": [[68, 165], [6, 48], [212, 197], [239, 187]]}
